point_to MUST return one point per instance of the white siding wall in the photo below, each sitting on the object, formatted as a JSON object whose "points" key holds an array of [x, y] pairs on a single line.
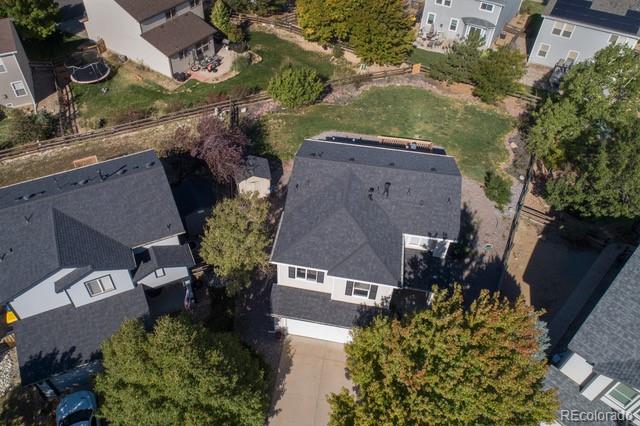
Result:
{"points": [[80, 295], [171, 241], [339, 287], [42, 297], [121, 33], [283, 279], [315, 331], [181, 9], [171, 275]]}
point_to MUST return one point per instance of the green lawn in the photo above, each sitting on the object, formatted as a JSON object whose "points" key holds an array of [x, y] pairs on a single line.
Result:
{"points": [[426, 57], [532, 7], [471, 133], [125, 92]]}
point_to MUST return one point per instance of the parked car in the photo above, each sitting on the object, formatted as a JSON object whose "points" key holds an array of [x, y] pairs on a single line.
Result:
{"points": [[77, 409]]}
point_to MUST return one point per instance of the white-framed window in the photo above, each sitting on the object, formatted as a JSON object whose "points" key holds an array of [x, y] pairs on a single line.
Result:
{"points": [[100, 285], [453, 24], [431, 18], [306, 274], [563, 29], [475, 31], [446, 3], [487, 7], [572, 55], [160, 272], [623, 395], [363, 290], [543, 50], [19, 88], [3, 68]]}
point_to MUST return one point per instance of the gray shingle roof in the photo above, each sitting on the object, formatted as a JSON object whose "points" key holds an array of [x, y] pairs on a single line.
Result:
{"points": [[609, 338], [71, 278], [143, 9], [339, 218], [179, 33], [472, 20], [164, 257], [314, 306], [67, 337], [255, 166], [617, 15], [571, 398], [7, 36], [101, 209]]}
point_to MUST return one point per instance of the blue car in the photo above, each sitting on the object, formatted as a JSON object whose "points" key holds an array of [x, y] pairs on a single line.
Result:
{"points": [[77, 409]]}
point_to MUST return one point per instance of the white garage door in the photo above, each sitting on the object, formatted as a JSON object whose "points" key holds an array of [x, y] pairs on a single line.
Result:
{"points": [[315, 331]]}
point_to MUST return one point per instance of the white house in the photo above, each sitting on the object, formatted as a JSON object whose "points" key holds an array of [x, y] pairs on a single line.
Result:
{"points": [[356, 211]]}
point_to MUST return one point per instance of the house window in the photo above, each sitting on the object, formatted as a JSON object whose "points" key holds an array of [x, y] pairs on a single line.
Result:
{"points": [[99, 285], [564, 30], [160, 273], [623, 395], [613, 39], [170, 13], [487, 7], [194, 3], [19, 89], [453, 24], [572, 55], [446, 3], [3, 68], [357, 289], [431, 18], [306, 274], [543, 50]]}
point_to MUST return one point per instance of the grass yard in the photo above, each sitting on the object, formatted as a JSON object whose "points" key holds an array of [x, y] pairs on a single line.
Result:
{"points": [[126, 91], [426, 57], [471, 133]]}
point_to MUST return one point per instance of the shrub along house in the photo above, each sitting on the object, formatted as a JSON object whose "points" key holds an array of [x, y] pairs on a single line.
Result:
{"points": [[168, 36], [356, 210], [81, 251], [597, 363], [455, 19], [574, 30]]}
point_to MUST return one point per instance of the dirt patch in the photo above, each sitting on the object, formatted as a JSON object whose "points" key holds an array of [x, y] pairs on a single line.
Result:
{"points": [[135, 72]]}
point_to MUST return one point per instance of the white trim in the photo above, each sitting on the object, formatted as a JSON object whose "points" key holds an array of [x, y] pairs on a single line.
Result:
{"points": [[435, 15], [443, 3], [24, 87], [590, 26], [3, 65], [493, 7], [163, 273], [563, 27], [457, 24]]}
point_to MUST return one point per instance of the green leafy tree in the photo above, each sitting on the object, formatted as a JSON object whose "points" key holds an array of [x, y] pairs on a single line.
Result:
{"points": [[236, 239], [448, 365], [462, 58], [296, 86], [35, 19], [267, 7], [382, 32], [497, 72], [179, 374], [589, 137], [221, 16], [325, 21], [497, 188]]}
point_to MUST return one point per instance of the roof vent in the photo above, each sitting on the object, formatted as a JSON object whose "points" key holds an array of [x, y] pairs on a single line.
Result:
{"points": [[371, 190], [150, 164], [392, 164], [387, 185], [121, 171], [313, 154], [421, 202], [352, 159], [5, 254], [433, 169], [82, 182], [27, 219]]}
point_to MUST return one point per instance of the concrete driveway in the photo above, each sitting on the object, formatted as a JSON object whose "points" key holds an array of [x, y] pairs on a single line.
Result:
{"points": [[309, 370]]}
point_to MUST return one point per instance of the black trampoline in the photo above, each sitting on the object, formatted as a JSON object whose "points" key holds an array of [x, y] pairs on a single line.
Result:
{"points": [[87, 67]]}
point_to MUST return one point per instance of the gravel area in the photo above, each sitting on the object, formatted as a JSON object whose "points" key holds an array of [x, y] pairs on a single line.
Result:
{"points": [[8, 371]]}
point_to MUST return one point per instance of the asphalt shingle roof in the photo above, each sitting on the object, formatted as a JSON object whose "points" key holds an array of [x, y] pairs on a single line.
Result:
{"points": [[67, 337], [617, 15], [90, 216], [314, 306], [255, 166], [164, 257], [143, 9], [348, 205], [609, 338], [179, 33], [7, 36]]}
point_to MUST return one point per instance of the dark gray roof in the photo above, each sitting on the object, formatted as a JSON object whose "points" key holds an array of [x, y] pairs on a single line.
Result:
{"points": [[179, 33], [143, 9], [617, 15], [314, 306], [255, 166], [609, 338], [478, 22], [571, 398], [67, 337], [7, 36], [163, 257], [83, 217], [71, 278], [338, 218]]}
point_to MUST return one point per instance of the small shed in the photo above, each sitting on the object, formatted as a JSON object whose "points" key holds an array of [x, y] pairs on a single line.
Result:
{"points": [[255, 176]]}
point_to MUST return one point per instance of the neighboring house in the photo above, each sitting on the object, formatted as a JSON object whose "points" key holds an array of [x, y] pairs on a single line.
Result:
{"points": [[356, 212], [598, 371], [82, 250], [168, 36], [574, 30], [16, 80], [456, 19], [255, 176]]}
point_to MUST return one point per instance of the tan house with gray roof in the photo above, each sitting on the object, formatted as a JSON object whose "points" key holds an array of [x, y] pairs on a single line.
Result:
{"points": [[168, 36], [16, 81]]}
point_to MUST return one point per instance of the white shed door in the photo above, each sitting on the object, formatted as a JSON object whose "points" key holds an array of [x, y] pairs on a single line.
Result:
{"points": [[316, 331]]}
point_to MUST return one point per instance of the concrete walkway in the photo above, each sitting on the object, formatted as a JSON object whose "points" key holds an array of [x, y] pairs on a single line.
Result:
{"points": [[309, 371]]}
